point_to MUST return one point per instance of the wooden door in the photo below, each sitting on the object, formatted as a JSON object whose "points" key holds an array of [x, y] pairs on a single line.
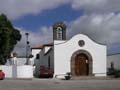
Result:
{"points": [[81, 63]]}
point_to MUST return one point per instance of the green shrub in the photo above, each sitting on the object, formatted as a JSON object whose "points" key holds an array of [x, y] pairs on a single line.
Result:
{"points": [[114, 72], [117, 74]]}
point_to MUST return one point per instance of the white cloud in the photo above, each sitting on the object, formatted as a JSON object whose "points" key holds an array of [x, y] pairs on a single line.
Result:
{"points": [[17, 8], [44, 35], [100, 21], [97, 6], [103, 28]]}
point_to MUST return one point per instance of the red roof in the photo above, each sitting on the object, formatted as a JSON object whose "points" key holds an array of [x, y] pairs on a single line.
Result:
{"points": [[42, 46]]}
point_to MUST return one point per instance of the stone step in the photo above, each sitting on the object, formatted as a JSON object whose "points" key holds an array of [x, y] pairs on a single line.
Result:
{"points": [[92, 78]]}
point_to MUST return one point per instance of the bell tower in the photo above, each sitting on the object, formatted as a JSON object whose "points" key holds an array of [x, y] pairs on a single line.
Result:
{"points": [[59, 31]]}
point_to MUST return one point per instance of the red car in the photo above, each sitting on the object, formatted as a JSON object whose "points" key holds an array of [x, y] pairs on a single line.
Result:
{"points": [[45, 73], [2, 75]]}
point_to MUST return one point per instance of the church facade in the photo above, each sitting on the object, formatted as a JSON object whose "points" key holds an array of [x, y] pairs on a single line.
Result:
{"points": [[80, 56]]}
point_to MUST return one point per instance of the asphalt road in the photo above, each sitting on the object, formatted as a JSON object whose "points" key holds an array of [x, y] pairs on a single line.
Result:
{"points": [[55, 84]]}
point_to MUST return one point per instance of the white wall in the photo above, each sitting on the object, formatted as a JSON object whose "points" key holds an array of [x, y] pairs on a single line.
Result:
{"points": [[25, 71], [47, 48], [7, 70], [46, 56], [34, 53], [45, 53], [63, 50]]}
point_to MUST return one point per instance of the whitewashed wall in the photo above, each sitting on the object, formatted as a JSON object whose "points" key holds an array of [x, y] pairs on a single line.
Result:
{"points": [[46, 56], [45, 53], [63, 50], [25, 71], [38, 63], [7, 70], [34, 53], [33, 60]]}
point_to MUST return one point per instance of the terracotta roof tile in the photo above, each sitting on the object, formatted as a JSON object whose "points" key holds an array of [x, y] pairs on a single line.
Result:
{"points": [[42, 46]]}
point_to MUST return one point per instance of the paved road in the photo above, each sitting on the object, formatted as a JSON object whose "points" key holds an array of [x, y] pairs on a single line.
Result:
{"points": [[53, 84]]}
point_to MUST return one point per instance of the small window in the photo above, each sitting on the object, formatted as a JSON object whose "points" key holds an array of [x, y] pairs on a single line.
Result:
{"points": [[81, 43], [37, 56], [59, 33]]}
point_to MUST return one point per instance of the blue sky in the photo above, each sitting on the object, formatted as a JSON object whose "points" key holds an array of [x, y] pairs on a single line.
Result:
{"points": [[100, 19], [48, 17]]}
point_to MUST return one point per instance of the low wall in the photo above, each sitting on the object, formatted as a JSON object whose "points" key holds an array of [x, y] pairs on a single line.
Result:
{"points": [[24, 71], [7, 70]]}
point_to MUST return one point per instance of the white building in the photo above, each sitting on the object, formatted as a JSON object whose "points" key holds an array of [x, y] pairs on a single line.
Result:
{"points": [[113, 61], [80, 55], [43, 58]]}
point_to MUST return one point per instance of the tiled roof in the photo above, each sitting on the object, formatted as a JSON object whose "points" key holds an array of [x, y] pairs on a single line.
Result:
{"points": [[42, 46]]}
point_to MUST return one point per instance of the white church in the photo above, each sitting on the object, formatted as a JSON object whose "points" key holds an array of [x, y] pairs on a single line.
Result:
{"points": [[80, 56]]}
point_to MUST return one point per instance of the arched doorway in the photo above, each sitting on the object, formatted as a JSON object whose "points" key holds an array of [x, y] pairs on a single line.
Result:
{"points": [[81, 63]]}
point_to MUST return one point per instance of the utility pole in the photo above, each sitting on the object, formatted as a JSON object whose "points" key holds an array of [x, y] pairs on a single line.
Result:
{"points": [[27, 48]]}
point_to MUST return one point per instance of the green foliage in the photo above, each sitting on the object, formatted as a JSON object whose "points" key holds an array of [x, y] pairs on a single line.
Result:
{"points": [[30, 56], [114, 72], [9, 36], [117, 74]]}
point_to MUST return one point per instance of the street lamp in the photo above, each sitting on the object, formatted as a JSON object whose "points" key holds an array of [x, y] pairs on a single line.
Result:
{"points": [[27, 47]]}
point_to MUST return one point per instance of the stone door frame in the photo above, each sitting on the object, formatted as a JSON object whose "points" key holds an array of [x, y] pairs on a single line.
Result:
{"points": [[90, 61]]}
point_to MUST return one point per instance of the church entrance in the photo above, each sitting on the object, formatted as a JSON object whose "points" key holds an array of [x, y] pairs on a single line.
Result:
{"points": [[81, 63]]}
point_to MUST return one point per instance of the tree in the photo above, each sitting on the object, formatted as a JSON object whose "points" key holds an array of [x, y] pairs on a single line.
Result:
{"points": [[9, 36]]}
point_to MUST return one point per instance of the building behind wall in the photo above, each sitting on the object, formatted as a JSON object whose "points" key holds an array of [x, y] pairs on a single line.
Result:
{"points": [[44, 58], [113, 61]]}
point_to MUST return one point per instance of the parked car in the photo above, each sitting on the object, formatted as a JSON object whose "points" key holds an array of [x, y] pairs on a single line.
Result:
{"points": [[45, 72], [2, 75]]}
